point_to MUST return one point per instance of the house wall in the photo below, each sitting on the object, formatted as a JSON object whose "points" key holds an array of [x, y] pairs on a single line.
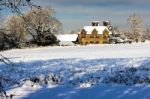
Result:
{"points": [[93, 38]]}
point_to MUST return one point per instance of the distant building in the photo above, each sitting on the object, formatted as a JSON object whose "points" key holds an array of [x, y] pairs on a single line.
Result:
{"points": [[67, 39], [95, 34]]}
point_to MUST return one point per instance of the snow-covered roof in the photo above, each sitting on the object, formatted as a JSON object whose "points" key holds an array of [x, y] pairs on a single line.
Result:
{"points": [[66, 43], [67, 37], [100, 29]]}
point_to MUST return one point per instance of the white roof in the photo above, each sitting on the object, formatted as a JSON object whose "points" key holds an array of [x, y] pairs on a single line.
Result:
{"points": [[66, 43], [67, 37], [100, 29]]}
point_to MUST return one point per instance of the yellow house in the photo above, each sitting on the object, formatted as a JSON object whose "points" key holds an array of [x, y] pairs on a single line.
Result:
{"points": [[95, 34]]}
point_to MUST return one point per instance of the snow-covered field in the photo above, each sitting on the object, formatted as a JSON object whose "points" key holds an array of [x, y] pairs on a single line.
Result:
{"points": [[118, 71], [85, 52]]}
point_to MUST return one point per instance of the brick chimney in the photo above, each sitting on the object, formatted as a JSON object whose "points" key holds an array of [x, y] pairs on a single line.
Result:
{"points": [[106, 23], [95, 23]]}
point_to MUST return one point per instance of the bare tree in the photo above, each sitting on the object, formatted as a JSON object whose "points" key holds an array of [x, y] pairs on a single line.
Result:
{"points": [[42, 23], [146, 34], [135, 23], [14, 27], [45, 24], [7, 39]]}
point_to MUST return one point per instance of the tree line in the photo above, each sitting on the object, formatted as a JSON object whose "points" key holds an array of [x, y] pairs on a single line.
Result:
{"points": [[136, 32], [36, 28]]}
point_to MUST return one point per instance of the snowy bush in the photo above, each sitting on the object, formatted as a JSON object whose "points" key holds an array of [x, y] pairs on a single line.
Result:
{"points": [[75, 73], [125, 76]]}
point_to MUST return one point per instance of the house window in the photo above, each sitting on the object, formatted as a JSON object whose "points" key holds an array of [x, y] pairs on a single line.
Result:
{"points": [[92, 42], [97, 42], [97, 36], [91, 36]]}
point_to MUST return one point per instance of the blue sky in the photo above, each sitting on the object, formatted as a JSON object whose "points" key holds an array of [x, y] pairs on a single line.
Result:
{"points": [[74, 14]]}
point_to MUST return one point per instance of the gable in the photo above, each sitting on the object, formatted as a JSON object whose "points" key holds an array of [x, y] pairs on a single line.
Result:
{"points": [[105, 32], [94, 32], [83, 31]]}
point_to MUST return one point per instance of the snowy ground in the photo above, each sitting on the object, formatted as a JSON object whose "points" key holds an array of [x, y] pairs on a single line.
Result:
{"points": [[81, 71], [86, 52], [96, 92]]}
